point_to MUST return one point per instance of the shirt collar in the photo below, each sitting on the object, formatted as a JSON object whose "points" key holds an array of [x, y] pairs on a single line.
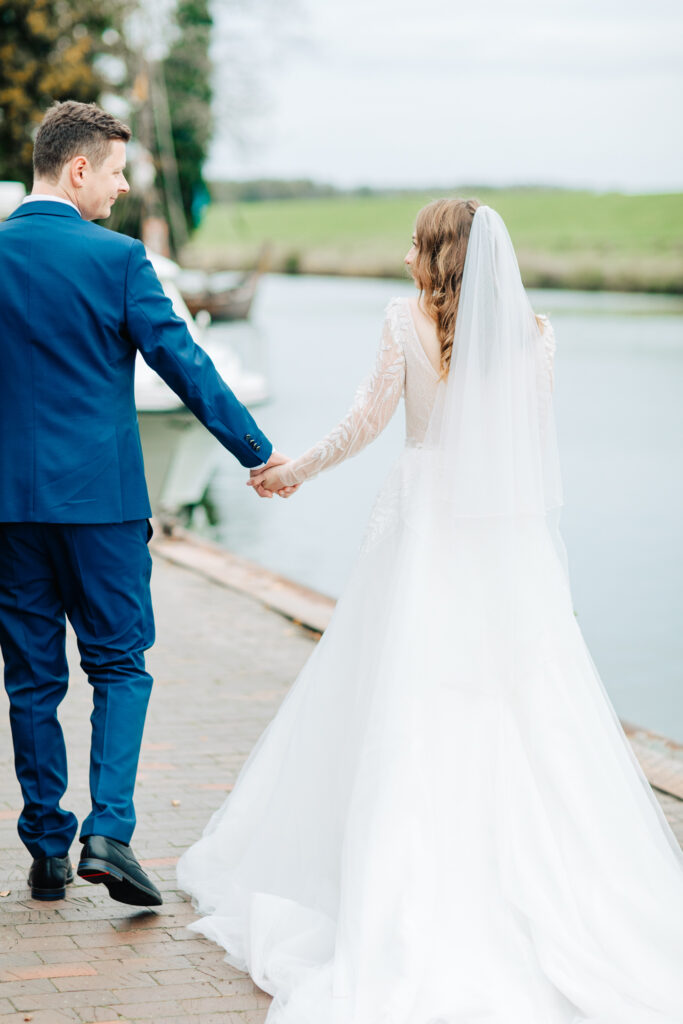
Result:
{"points": [[37, 197]]}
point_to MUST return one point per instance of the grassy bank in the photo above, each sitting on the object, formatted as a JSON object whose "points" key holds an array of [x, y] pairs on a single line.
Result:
{"points": [[563, 239]]}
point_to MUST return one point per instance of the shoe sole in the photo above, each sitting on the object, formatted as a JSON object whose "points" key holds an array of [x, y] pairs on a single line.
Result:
{"points": [[122, 887]]}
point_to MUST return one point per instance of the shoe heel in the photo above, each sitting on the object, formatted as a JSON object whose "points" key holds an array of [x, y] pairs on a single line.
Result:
{"points": [[45, 895], [96, 870]]}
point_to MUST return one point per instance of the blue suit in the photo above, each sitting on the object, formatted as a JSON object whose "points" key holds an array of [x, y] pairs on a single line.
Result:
{"points": [[77, 302]]}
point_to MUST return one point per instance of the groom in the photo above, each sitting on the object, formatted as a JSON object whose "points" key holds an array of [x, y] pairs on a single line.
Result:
{"points": [[77, 302]]}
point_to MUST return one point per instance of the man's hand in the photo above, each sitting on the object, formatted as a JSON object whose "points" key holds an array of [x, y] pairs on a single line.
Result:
{"points": [[266, 483]]}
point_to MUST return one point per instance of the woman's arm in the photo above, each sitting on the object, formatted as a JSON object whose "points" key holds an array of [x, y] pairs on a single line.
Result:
{"points": [[374, 405], [548, 339], [544, 369]]}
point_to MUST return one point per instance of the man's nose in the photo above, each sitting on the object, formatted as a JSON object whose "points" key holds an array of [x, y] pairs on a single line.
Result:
{"points": [[124, 186]]}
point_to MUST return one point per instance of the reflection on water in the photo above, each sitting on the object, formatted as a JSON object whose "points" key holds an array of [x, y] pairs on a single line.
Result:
{"points": [[619, 380]]}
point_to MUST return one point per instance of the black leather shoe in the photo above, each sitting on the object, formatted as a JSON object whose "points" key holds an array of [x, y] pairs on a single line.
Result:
{"points": [[49, 877], [113, 864]]}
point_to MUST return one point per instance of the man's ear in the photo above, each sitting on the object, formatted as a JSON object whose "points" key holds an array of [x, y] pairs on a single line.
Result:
{"points": [[77, 170]]}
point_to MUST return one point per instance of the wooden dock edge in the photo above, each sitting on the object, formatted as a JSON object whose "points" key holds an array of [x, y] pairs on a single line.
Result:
{"points": [[300, 604]]}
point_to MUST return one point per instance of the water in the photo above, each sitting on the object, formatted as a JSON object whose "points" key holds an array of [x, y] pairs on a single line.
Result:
{"points": [[619, 383]]}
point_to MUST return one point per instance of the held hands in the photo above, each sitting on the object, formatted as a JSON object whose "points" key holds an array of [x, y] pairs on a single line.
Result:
{"points": [[267, 480]]}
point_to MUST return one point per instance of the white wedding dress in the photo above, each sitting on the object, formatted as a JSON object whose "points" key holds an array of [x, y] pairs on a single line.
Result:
{"points": [[444, 823]]}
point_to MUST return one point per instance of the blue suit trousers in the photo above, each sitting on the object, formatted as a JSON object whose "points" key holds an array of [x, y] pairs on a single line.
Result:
{"points": [[98, 576]]}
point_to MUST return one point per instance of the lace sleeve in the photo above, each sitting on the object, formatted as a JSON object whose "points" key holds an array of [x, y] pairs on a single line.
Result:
{"points": [[374, 405], [545, 367], [548, 338]]}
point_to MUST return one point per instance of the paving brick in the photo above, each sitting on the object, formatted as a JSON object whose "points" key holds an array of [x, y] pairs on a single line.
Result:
{"points": [[110, 940], [179, 976], [117, 978], [42, 1017], [153, 992], [234, 1003], [143, 963], [72, 970], [167, 916], [220, 1017], [91, 954], [99, 1015], [23, 914], [62, 1001], [185, 947], [77, 909], [159, 1013], [252, 1017], [216, 967], [13, 989], [16, 944], [20, 960], [60, 927], [200, 1008]]}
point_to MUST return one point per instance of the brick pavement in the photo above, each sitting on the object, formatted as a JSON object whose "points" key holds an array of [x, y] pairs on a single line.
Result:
{"points": [[222, 664]]}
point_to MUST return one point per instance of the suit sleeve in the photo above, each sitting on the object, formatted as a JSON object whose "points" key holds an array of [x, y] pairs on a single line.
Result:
{"points": [[167, 346]]}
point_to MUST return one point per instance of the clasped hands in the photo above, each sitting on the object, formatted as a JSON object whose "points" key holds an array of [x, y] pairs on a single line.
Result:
{"points": [[267, 480]]}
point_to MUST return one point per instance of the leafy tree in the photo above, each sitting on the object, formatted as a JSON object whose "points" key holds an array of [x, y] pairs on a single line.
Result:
{"points": [[247, 39], [57, 49], [48, 52], [187, 72], [170, 70]]}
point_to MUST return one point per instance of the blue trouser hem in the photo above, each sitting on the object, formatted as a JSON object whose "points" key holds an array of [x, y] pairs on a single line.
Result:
{"points": [[56, 845], [103, 825]]}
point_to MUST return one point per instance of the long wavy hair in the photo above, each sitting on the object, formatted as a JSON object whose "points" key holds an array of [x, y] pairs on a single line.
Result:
{"points": [[442, 231]]}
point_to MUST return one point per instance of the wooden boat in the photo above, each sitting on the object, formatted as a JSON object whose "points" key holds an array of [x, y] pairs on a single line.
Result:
{"points": [[153, 395], [225, 295]]}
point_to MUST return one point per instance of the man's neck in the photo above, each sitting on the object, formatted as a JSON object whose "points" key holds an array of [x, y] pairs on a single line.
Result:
{"points": [[46, 188]]}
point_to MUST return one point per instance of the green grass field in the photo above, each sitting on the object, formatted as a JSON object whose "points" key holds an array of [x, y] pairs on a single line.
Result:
{"points": [[563, 239]]}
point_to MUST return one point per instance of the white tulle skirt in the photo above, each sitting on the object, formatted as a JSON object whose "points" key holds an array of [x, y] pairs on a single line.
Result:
{"points": [[444, 823]]}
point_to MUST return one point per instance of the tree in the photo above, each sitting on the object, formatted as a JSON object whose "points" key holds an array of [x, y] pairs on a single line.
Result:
{"points": [[48, 52], [170, 100], [243, 60], [187, 72], [57, 49]]}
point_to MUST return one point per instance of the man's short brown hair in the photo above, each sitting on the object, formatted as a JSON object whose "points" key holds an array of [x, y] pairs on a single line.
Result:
{"points": [[71, 129]]}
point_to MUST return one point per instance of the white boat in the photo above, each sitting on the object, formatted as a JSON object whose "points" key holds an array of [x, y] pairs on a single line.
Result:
{"points": [[152, 394], [11, 194]]}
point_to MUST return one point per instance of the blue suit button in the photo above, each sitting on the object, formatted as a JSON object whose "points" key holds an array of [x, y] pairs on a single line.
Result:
{"points": [[247, 437]]}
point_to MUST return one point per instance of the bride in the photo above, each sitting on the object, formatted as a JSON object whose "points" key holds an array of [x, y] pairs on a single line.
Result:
{"points": [[444, 823]]}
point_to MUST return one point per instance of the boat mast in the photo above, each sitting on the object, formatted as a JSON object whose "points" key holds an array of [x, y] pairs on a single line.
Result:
{"points": [[169, 163]]}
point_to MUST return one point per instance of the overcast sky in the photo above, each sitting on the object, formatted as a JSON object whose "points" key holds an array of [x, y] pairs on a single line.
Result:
{"points": [[386, 92]]}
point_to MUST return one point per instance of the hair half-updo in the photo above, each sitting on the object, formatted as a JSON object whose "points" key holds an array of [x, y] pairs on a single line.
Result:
{"points": [[442, 232]]}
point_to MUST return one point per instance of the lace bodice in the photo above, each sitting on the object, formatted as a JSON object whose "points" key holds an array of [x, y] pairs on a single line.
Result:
{"points": [[402, 368]]}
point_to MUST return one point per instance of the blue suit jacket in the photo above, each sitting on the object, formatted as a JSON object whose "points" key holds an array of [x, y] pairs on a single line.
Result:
{"points": [[76, 303]]}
